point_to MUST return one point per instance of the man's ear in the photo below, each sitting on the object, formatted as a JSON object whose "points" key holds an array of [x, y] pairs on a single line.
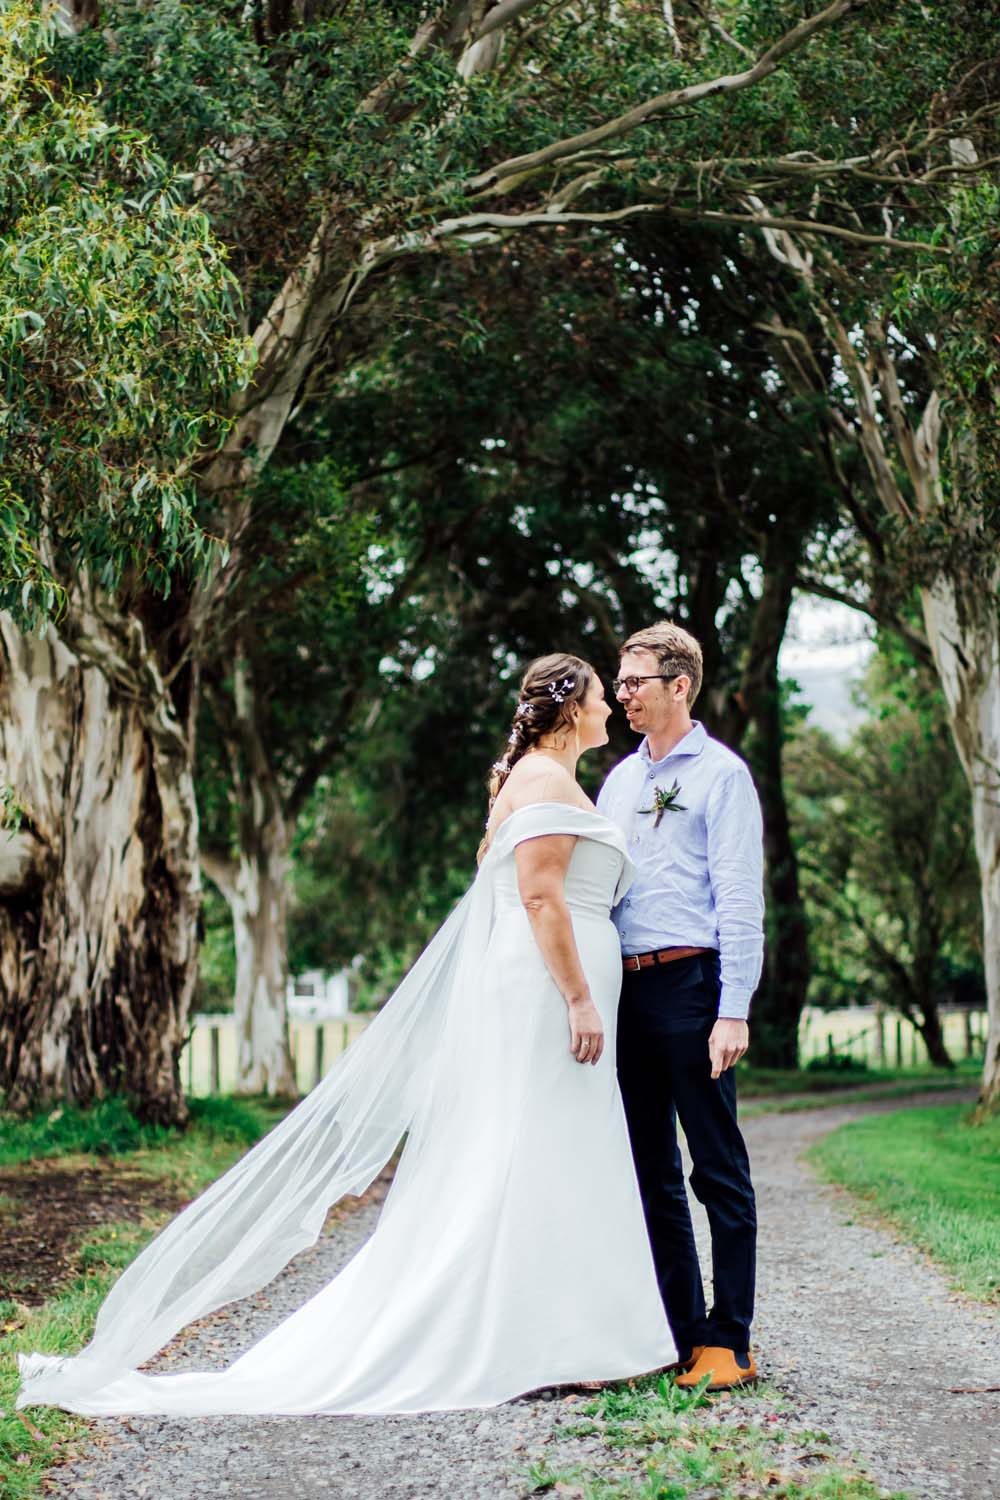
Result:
{"points": [[682, 686]]}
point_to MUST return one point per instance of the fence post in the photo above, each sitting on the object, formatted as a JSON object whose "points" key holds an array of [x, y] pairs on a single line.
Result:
{"points": [[214, 1075], [319, 1040], [899, 1044], [880, 1035], [913, 1047], [968, 1033]]}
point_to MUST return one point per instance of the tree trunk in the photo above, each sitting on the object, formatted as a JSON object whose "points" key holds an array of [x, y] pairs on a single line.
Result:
{"points": [[99, 891], [928, 1023], [965, 638], [255, 890], [254, 882], [777, 1008]]}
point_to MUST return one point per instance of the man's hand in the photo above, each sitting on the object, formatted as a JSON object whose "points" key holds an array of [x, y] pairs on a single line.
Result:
{"points": [[727, 1044]]}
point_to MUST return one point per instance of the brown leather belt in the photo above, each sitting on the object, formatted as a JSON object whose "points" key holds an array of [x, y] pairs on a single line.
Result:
{"points": [[637, 961]]}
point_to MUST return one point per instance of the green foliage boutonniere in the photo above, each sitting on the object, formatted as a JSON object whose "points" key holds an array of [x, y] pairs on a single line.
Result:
{"points": [[664, 802]]}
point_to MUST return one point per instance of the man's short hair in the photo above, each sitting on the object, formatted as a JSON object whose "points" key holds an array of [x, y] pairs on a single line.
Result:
{"points": [[675, 650]]}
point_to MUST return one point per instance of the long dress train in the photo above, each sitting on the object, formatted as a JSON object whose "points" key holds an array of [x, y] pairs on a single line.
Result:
{"points": [[511, 1252]]}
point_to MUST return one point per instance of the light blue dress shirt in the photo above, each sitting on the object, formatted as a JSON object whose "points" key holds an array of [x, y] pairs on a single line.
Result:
{"points": [[700, 874]]}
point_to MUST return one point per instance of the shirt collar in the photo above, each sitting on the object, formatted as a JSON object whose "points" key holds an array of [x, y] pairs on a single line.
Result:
{"points": [[693, 743]]}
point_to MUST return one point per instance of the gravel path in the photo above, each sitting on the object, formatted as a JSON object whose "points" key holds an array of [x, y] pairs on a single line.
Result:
{"points": [[860, 1335], [865, 1331]]}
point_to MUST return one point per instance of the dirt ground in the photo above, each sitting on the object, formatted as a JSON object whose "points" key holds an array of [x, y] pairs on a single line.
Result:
{"points": [[47, 1208]]}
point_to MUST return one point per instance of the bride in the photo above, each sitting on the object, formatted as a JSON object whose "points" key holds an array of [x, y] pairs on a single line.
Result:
{"points": [[511, 1252]]}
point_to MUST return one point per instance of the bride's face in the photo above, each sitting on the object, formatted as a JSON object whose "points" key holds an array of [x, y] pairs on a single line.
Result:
{"points": [[592, 716]]}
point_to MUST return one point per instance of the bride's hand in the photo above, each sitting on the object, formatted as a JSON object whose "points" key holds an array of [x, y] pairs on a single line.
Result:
{"points": [[586, 1030]]}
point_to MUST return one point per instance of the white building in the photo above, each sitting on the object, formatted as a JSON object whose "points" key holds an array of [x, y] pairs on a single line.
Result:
{"points": [[315, 996]]}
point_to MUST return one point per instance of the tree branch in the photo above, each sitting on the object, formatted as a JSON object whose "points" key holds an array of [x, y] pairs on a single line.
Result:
{"points": [[501, 15], [705, 12], [507, 174], [914, 638], [470, 227]]}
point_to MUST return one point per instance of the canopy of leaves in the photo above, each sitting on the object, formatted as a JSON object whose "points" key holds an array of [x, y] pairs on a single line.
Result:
{"points": [[117, 335]]}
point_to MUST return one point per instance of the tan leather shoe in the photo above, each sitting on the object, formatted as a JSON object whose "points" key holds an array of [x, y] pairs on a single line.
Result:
{"points": [[680, 1365], [721, 1365]]}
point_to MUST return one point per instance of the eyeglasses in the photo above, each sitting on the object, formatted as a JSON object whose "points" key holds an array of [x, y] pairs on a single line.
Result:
{"points": [[631, 684]]}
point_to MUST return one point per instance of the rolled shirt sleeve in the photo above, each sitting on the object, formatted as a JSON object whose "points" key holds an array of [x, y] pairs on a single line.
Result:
{"points": [[735, 837]]}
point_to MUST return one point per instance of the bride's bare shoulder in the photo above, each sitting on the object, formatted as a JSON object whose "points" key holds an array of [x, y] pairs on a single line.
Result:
{"points": [[536, 778]]}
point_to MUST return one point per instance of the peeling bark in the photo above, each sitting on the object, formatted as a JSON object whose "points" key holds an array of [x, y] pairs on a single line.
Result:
{"points": [[100, 893]]}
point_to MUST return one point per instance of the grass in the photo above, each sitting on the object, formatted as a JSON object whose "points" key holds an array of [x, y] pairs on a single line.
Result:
{"points": [[784, 1091], [109, 1128], [220, 1130], [666, 1444], [934, 1175]]}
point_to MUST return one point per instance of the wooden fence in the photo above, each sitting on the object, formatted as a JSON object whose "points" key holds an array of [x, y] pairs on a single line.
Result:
{"points": [[208, 1061], [886, 1039]]}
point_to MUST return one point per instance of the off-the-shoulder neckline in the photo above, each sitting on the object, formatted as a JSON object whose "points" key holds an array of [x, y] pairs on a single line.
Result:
{"points": [[586, 812]]}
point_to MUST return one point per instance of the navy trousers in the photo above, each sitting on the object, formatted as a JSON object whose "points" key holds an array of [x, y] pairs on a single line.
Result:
{"points": [[665, 1017]]}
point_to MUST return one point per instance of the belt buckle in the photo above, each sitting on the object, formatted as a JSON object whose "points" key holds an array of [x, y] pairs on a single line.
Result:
{"points": [[631, 963]]}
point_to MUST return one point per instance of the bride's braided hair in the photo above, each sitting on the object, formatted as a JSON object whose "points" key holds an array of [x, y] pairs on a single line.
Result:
{"points": [[548, 687]]}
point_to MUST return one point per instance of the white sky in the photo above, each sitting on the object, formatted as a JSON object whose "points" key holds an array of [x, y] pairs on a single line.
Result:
{"points": [[826, 649]]}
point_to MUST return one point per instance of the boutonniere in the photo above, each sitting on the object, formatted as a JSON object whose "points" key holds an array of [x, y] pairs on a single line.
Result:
{"points": [[664, 801]]}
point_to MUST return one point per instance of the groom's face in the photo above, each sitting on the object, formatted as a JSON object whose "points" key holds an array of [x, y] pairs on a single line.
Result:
{"points": [[655, 703]]}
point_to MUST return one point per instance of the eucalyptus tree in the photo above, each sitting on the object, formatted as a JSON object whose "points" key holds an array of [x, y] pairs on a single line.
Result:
{"points": [[902, 359], [116, 320], [278, 689], [327, 145]]}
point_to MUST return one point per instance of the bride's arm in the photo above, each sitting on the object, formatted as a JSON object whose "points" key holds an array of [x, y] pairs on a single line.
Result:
{"points": [[541, 877]]}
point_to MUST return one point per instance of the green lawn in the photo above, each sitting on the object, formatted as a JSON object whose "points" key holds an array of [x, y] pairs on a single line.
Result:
{"points": [[934, 1175], [783, 1091], [221, 1130]]}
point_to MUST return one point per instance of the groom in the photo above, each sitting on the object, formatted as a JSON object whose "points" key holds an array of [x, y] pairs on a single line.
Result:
{"points": [[691, 929]]}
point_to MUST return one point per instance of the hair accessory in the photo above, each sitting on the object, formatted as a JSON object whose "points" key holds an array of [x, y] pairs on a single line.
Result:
{"points": [[561, 690], [524, 711]]}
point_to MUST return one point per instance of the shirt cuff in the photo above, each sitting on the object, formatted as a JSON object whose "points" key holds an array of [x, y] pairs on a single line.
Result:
{"points": [[734, 1004]]}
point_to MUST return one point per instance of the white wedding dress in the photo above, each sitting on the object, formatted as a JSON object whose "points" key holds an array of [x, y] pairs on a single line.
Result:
{"points": [[511, 1252]]}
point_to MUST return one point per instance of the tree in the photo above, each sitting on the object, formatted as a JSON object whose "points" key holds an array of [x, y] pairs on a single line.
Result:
{"points": [[461, 126], [593, 417], [907, 363], [116, 311], [891, 880]]}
